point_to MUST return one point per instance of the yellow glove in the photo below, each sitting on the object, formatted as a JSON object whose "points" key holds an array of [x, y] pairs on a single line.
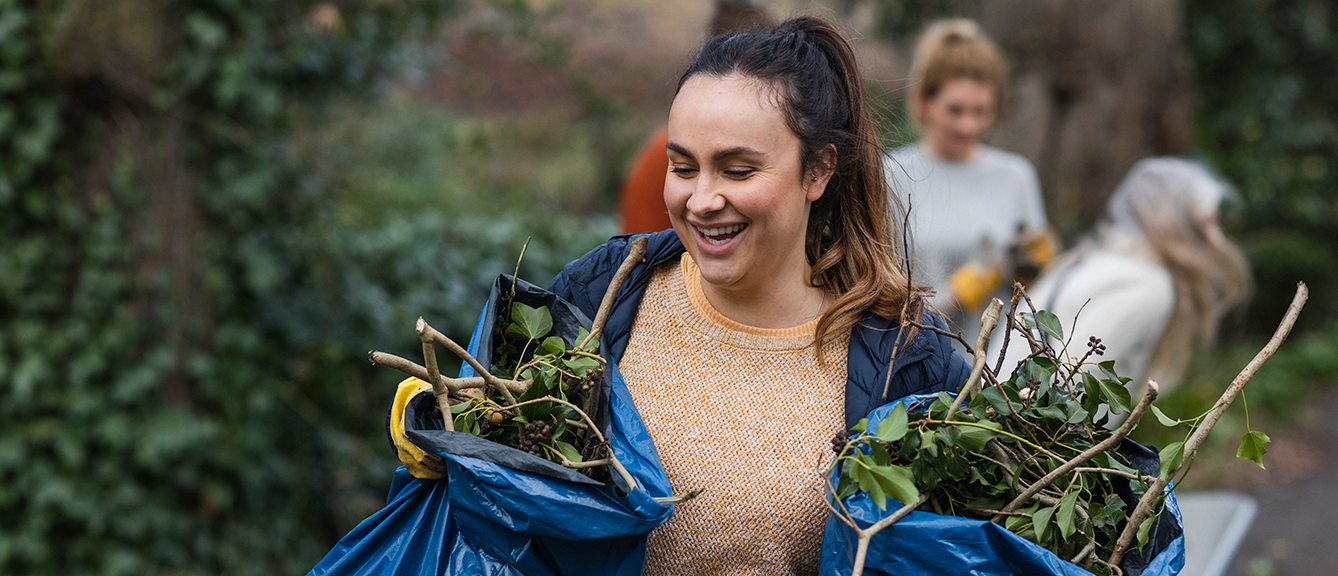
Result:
{"points": [[1031, 252], [420, 463], [972, 283]]}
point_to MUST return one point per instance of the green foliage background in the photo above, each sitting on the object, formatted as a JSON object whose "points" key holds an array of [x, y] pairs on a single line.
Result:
{"points": [[217, 415]]}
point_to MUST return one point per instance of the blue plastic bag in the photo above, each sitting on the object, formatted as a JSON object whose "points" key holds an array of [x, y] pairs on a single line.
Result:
{"points": [[488, 516], [927, 543]]}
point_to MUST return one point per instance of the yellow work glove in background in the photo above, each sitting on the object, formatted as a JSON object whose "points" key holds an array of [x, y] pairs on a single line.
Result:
{"points": [[972, 283]]}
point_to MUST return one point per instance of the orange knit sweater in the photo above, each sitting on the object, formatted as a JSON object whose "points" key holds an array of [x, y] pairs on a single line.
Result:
{"points": [[745, 413]]}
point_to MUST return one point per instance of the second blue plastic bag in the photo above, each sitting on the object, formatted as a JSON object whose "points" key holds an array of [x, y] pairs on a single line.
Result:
{"points": [[927, 543]]}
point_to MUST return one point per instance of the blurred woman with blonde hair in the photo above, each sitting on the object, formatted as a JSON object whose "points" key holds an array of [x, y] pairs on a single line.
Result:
{"points": [[975, 211], [1158, 276]]}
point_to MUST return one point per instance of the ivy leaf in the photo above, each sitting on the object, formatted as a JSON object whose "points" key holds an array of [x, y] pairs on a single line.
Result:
{"points": [[528, 322], [580, 365], [1065, 515], [581, 334], [1040, 522], [893, 427], [900, 486], [1171, 457], [860, 426], [568, 451], [1049, 323], [1143, 530], [1109, 368], [1165, 420], [996, 397], [1252, 447], [553, 345], [974, 438], [1117, 396]]}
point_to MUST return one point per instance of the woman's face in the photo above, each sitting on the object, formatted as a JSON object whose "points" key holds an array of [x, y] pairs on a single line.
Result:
{"points": [[956, 118], [736, 190]]}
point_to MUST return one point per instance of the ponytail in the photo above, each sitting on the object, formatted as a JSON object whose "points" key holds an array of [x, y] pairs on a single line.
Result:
{"points": [[814, 71]]}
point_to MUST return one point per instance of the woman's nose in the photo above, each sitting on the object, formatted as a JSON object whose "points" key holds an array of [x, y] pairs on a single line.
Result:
{"points": [[706, 197]]}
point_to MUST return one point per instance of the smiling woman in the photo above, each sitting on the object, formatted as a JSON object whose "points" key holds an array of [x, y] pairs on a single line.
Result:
{"points": [[775, 314]]}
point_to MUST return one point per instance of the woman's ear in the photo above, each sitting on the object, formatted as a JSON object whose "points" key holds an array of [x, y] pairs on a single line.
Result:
{"points": [[820, 173]]}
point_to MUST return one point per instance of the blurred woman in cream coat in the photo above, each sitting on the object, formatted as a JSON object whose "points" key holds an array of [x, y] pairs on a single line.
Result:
{"points": [[1156, 279]]}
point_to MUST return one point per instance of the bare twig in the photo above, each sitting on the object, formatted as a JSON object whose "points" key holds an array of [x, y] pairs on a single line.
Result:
{"points": [[935, 329], [1145, 505], [439, 389], [1012, 310], [634, 257], [1088, 454], [988, 321], [454, 384], [679, 499], [867, 534]]}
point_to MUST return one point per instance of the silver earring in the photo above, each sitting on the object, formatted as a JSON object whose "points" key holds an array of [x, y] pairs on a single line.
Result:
{"points": [[814, 177]]}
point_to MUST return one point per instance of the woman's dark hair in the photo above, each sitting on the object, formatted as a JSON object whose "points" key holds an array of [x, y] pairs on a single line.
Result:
{"points": [[848, 241]]}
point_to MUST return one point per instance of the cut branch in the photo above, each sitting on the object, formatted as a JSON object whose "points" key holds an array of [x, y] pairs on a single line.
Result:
{"points": [[1149, 499], [454, 384], [988, 321], [634, 257]]}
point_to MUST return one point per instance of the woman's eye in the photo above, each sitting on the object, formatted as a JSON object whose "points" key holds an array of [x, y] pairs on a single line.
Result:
{"points": [[739, 172], [682, 171]]}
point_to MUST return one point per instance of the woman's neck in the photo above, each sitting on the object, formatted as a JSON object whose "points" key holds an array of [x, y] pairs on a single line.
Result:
{"points": [[778, 305]]}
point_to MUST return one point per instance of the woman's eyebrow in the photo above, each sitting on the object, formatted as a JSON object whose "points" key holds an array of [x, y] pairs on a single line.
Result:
{"points": [[719, 155]]}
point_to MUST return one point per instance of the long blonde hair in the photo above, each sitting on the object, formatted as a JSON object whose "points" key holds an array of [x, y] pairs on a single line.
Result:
{"points": [[1173, 204], [952, 49]]}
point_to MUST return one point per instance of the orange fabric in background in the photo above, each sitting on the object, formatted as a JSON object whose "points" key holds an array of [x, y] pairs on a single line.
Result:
{"points": [[643, 191]]}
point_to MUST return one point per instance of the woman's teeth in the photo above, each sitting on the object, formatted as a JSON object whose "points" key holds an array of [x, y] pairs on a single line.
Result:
{"points": [[718, 236]]}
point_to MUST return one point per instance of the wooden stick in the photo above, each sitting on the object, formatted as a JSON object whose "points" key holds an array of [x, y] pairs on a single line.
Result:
{"points": [[867, 534], [634, 257], [988, 321], [439, 389], [454, 384], [1145, 505]]}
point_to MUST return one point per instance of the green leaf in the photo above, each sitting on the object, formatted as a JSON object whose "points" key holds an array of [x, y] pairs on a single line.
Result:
{"points": [[1165, 420], [900, 483], [893, 427], [974, 438], [1143, 530], [1040, 521], [1049, 323], [1117, 396], [529, 322], [1171, 458], [1252, 447], [1067, 510], [581, 334], [1027, 321], [860, 426], [580, 365], [997, 399], [568, 451], [1109, 368], [461, 407], [553, 345]]}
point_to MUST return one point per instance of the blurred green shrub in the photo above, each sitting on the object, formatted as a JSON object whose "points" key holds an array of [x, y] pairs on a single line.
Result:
{"points": [[185, 306], [1267, 76]]}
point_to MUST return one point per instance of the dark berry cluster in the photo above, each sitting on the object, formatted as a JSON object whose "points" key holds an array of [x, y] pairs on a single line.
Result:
{"points": [[840, 440], [532, 434], [1095, 344]]}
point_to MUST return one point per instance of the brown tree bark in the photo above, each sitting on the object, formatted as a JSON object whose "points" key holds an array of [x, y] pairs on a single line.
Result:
{"points": [[1096, 85]]}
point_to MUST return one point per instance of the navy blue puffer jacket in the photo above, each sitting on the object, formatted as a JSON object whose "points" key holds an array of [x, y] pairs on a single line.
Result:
{"points": [[927, 365]]}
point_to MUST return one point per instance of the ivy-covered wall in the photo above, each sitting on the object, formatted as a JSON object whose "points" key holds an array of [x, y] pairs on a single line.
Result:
{"points": [[184, 312]]}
